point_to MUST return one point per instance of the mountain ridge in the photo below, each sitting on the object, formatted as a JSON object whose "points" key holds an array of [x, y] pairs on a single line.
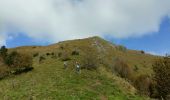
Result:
{"points": [[49, 80]]}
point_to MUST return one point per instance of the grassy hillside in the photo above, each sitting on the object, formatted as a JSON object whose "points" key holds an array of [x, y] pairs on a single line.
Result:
{"points": [[49, 81]]}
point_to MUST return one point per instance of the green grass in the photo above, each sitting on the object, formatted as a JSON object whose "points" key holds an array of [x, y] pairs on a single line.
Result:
{"points": [[49, 81]]}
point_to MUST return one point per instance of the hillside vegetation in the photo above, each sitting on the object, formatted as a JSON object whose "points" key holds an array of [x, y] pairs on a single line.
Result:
{"points": [[108, 72]]}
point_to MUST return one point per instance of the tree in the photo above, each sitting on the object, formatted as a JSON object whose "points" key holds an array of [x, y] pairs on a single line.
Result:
{"points": [[162, 76], [142, 83], [3, 52], [18, 60], [10, 58], [122, 68], [90, 59]]}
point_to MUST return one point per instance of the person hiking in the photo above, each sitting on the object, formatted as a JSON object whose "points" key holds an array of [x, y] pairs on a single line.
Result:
{"points": [[78, 68], [65, 65]]}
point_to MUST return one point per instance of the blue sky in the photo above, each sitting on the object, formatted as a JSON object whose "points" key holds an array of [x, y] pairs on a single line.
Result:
{"points": [[156, 43], [23, 40], [137, 24]]}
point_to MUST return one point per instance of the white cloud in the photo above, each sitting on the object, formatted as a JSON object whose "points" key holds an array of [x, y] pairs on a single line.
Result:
{"points": [[67, 19], [160, 53], [2, 40]]}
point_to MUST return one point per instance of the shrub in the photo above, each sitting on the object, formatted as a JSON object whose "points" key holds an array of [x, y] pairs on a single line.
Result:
{"points": [[35, 54], [21, 70], [59, 54], [17, 63], [75, 52], [161, 68], [47, 54], [22, 61], [1, 59], [136, 68], [61, 47], [122, 48], [142, 83], [34, 47], [3, 71], [3, 52], [152, 89], [90, 60], [122, 69], [10, 58], [41, 59], [52, 53], [65, 56], [142, 52]]}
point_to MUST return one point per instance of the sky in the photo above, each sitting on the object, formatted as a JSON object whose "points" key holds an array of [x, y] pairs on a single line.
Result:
{"points": [[137, 24]]}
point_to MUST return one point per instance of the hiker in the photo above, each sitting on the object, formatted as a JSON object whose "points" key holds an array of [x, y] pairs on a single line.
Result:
{"points": [[78, 68], [65, 65]]}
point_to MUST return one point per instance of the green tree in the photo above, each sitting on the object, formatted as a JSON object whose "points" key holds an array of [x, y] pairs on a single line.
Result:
{"points": [[162, 76], [90, 60], [3, 52], [18, 60], [10, 58], [121, 68]]}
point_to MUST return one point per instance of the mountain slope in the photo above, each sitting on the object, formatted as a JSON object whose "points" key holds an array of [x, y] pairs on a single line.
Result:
{"points": [[49, 81]]}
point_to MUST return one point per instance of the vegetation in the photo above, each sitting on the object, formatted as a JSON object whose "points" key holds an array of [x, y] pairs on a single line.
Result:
{"points": [[162, 76], [75, 52], [59, 54], [142, 52], [35, 54], [14, 63], [41, 58], [10, 59], [122, 68], [3, 52], [65, 56], [97, 82], [48, 54], [122, 48], [90, 61], [142, 83]]}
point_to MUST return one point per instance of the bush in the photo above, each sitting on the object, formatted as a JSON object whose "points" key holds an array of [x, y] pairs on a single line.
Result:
{"points": [[54, 56], [142, 52], [3, 71], [35, 54], [62, 47], [142, 83], [15, 63], [161, 68], [47, 54], [75, 52], [21, 70], [11, 58], [65, 56], [41, 59], [122, 69], [22, 61], [1, 59], [34, 47], [122, 48], [90, 60], [136, 68], [3, 52], [59, 54], [152, 89], [18, 62], [52, 53]]}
